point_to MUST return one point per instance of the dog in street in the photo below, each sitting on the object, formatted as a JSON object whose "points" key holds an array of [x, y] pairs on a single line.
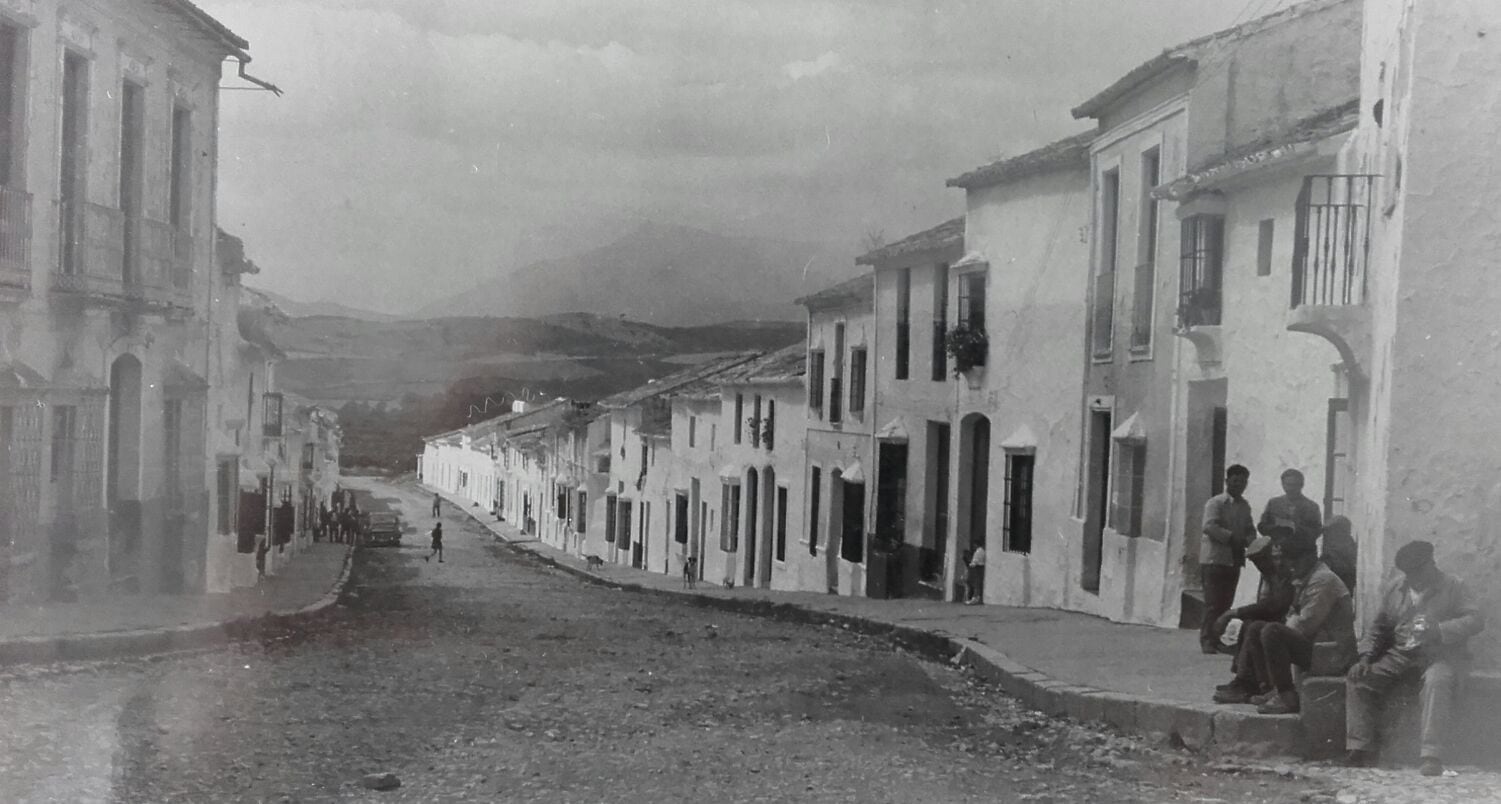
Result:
{"points": [[690, 572], [593, 563]]}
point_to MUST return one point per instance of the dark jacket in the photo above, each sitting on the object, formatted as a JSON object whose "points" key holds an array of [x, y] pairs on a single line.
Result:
{"points": [[1274, 596], [1323, 612], [1448, 605], [1288, 517]]}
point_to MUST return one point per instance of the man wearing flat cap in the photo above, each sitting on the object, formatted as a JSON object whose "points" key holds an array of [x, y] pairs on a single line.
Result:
{"points": [[1421, 633]]}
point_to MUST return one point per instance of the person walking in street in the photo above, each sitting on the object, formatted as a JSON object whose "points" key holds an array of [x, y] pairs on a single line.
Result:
{"points": [[1228, 530], [1321, 612], [1291, 515], [437, 505], [437, 544], [1421, 633], [976, 580]]}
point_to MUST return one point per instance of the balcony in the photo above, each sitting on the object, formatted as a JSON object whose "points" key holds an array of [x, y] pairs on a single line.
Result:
{"points": [[15, 244], [1331, 254], [107, 257]]}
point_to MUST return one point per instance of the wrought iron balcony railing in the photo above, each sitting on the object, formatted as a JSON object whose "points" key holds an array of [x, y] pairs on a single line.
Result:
{"points": [[15, 239], [1332, 239], [91, 250]]}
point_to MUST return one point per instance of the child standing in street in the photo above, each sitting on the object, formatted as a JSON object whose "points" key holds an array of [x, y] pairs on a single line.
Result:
{"points": [[437, 544]]}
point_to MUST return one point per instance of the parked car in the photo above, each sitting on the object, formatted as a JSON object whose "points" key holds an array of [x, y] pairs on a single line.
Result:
{"points": [[382, 529]]}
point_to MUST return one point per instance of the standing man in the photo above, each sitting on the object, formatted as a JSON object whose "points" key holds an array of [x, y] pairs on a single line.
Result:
{"points": [[437, 544], [437, 505], [1421, 633], [1292, 516], [977, 576], [1228, 531]]}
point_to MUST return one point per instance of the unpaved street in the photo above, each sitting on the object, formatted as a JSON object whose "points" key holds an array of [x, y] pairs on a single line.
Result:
{"points": [[492, 678]]}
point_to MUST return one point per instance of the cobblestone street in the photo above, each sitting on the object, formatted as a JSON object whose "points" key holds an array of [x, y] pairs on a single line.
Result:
{"points": [[489, 677]]}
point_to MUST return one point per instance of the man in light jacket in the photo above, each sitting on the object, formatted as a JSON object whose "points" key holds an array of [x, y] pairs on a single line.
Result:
{"points": [[1228, 530]]}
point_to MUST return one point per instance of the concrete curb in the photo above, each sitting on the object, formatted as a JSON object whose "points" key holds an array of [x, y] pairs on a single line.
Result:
{"points": [[1200, 728], [152, 641]]}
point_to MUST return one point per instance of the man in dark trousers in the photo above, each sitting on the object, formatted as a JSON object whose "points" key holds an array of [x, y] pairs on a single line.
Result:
{"points": [[437, 544], [1421, 634], [1273, 598], [437, 505], [1321, 612], [1228, 531]]}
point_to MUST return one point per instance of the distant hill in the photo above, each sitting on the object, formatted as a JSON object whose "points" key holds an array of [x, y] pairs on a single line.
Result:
{"points": [[299, 309], [663, 275], [339, 359]]}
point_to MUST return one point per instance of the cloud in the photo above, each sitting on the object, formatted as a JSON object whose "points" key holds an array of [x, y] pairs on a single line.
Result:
{"points": [[797, 70]]}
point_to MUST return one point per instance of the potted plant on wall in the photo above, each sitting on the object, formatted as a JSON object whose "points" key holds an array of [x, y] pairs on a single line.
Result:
{"points": [[967, 345]]}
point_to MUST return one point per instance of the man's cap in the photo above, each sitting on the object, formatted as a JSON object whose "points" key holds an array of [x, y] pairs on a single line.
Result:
{"points": [[1414, 556], [1261, 544]]}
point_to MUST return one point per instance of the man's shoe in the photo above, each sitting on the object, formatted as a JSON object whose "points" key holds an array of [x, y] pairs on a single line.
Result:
{"points": [[1358, 758], [1261, 697], [1222, 687], [1431, 766], [1209, 648], [1234, 695], [1281, 703]]}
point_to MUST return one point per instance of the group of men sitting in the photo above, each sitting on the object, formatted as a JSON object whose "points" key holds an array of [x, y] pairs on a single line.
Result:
{"points": [[1419, 635]]}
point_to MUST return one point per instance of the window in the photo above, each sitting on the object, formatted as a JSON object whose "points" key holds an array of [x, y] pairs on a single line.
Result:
{"points": [[12, 91], [580, 515], [1143, 294], [815, 491], [1104, 291], [226, 487], [610, 517], [857, 382], [680, 519], [64, 440], [73, 162], [1264, 239], [815, 382], [903, 323], [972, 299], [940, 322], [755, 422], [852, 537], [271, 423], [1203, 257], [781, 545], [836, 383], [132, 143], [1016, 520], [729, 520], [739, 415], [1130, 490], [769, 424], [179, 187], [692, 430]]}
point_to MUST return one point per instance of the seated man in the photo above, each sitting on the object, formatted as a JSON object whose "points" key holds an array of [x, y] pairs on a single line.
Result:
{"points": [[1321, 611], [1421, 632], [1273, 598]]}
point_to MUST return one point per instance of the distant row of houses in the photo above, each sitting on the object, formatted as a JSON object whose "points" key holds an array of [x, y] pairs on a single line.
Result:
{"points": [[1268, 250], [144, 446]]}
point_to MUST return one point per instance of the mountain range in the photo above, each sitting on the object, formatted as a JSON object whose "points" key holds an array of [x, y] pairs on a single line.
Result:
{"points": [[663, 275]]}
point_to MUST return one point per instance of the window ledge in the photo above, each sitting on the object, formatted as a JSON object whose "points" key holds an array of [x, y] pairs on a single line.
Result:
{"points": [[1141, 353]]}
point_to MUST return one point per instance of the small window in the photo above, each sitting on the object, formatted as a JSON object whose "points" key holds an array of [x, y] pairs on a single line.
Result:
{"points": [[271, 419], [781, 545], [692, 430], [857, 382], [1130, 490], [755, 422], [903, 324], [940, 322], [1264, 240], [815, 492], [1017, 518], [739, 415], [815, 382]]}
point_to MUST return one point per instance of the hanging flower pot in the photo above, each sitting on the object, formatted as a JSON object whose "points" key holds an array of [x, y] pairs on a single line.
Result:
{"points": [[968, 346]]}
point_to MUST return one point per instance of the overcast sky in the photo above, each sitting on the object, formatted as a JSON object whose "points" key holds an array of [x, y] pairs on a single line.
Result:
{"points": [[423, 145]]}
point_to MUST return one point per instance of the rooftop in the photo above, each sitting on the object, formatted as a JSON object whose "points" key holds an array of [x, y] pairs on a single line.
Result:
{"points": [[1291, 142], [206, 24], [1068, 152], [945, 235], [674, 382], [1188, 53], [860, 290], [785, 365]]}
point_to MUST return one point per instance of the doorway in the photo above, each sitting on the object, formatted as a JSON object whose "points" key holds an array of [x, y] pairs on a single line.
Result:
{"points": [[974, 491], [123, 479], [1096, 499], [891, 517], [752, 511]]}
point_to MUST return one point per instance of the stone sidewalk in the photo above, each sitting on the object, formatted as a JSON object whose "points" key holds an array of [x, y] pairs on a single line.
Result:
{"points": [[144, 624], [1145, 680]]}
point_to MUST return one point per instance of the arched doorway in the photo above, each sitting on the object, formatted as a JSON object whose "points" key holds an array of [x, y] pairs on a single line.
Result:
{"points": [[123, 473], [974, 493], [750, 548]]}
